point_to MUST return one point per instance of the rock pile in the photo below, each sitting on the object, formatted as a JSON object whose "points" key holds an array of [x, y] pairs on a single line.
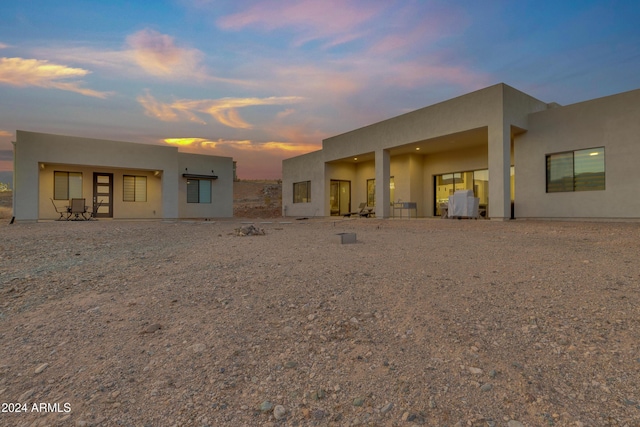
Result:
{"points": [[249, 230]]}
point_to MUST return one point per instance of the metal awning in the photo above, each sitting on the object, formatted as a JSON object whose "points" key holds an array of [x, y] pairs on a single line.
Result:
{"points": [[196, 176]]}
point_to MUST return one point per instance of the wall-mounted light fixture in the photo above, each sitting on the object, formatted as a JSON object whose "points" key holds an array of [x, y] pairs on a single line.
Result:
{"points": [[41, 166], [156, 173]]}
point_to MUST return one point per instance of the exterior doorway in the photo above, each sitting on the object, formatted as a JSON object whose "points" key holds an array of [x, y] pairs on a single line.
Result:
{"points": [[103, 194], [447, 184], [340, 197]]}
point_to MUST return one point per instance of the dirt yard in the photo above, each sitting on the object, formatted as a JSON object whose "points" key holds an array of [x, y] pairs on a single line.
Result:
{"points": [[420, 322]]}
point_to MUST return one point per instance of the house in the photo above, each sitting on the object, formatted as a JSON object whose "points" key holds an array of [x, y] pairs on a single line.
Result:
{"points": [[123, 180], [522, 158]]}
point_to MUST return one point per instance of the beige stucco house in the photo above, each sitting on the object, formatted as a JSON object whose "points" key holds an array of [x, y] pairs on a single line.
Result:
{"points": [[126, 180], [522, 158]]}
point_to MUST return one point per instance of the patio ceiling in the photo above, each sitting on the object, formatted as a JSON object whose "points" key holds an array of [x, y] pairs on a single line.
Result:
{"points": [[452, 142]]}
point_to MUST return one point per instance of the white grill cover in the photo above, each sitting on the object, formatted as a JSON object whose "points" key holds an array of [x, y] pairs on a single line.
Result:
{"points": [[462, 203]]}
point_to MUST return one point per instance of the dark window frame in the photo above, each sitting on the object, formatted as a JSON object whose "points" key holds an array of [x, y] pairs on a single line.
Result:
{"points": [[135, 188], [196, 196], [573, 181], [68, 185], [302, 192]]}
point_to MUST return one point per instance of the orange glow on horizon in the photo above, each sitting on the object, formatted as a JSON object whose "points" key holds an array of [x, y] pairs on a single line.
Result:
{"points": [[243, 145]]}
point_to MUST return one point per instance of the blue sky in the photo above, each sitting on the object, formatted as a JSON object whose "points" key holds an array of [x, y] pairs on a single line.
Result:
{"points": [[265, 80]]}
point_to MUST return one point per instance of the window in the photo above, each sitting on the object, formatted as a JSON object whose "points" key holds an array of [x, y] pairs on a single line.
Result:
{"points": [[67, 185], [580, 170], [302, 192], [371, 192], [198, 191], [134, 188]]}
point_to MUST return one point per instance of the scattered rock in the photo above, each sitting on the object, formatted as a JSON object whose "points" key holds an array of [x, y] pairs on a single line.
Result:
{"points": [[198, 348], [266, 406], [249, 230], [318, 394], [432, 403], [358, 401], [319, 414], [486, 387], [41, 368], [475, 371], [386, 408], [26, 395], [279, 412], [150, 329]]}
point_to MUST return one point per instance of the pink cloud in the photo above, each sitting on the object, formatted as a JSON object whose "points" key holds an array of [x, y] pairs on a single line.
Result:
{"points": [[147, 53], [419, 73], [41, 73], [334, 19], [158, 54], [223, 110]]}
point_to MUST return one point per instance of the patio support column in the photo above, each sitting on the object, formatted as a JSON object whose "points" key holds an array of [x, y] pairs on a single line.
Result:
{"points": [[170, 194], [499, 171], [383, 175]]}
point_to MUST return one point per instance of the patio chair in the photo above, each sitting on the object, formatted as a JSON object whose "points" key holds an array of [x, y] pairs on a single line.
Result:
{"points": [[78, 208], [64, 211], [367, 212], [94, 210], [361, 209]]}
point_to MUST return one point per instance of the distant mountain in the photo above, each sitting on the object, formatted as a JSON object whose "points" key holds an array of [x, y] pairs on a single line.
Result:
{"points": [[6, 177]]}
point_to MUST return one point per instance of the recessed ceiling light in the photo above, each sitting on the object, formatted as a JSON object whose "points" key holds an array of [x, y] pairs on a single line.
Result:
{"points": [[417, 148], [355, 158]]}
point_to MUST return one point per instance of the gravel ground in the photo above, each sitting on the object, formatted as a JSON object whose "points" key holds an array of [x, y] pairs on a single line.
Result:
{"points": [[421, 322]]}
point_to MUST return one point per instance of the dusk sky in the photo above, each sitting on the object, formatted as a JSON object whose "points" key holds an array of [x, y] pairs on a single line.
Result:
{"points": [[261, 81]]}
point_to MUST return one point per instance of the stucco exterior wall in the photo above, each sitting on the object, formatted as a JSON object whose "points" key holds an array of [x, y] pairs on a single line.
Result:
{"points": [[308, 167], [610, 122], [221, 188], [465, 112]]}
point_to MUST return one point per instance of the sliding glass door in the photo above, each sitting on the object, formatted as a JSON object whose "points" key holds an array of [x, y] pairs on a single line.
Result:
{"points": [[340, 197]]}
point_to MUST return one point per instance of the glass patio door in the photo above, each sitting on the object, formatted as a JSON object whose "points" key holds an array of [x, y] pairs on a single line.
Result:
{"points": [[340, 197]]}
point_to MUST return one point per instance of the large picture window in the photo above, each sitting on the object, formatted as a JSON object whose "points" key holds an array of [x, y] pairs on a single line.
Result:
{"points": [[302, 192], [580, 170], [134, 188], [67, 185], [198, 191]]}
